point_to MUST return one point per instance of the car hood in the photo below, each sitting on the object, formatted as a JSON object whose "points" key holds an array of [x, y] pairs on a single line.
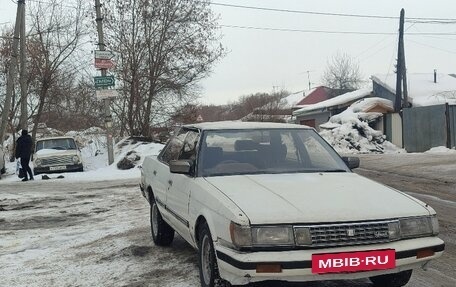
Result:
{"points": [[315, 197]]}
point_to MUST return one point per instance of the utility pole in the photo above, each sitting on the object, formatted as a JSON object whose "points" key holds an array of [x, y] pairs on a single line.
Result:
{"points": [[23, 75], [401, 73], [11, 72], [107, 108], [308, 78]]}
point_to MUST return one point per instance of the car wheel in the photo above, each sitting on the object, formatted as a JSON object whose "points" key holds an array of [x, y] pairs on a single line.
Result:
{"points": [[208, 269], [3, 170], [162, 233], [392, 280]]}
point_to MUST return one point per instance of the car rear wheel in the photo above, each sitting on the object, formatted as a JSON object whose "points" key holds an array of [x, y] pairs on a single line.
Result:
{"points": [[162, 233], [392, 280]]}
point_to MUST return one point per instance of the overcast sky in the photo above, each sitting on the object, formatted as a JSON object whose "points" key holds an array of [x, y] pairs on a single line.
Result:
{"points": [[258, 61]]}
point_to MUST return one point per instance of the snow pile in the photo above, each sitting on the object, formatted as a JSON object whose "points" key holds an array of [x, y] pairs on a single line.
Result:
{"points": [[351, 131], [440, 150], [130, 152]]}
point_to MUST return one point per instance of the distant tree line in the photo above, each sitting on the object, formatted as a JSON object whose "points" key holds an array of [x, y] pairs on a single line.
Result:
{"points": [[261, 105]]}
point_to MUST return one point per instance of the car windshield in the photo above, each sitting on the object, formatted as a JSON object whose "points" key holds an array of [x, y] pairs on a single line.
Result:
{"points": [[236, 152], [58, 144]]}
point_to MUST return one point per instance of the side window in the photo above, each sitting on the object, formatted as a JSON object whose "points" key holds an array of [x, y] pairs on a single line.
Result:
{"points": [[174, 147], [189, 149]]}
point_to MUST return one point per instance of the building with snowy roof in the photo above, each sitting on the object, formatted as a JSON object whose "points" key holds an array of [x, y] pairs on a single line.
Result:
{"points": [[282, 110], [314, 115], [428, 119]]}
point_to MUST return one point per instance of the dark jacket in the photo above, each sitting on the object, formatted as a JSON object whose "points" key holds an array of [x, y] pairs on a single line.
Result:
{"points": [[24, 146]]}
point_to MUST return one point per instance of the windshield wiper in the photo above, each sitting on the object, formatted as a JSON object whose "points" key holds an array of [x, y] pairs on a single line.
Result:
{"points": [[332, 170]]}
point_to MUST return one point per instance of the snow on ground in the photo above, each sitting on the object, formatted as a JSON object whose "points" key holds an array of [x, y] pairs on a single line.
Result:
{"points": [[440, 149], [86, 234]]}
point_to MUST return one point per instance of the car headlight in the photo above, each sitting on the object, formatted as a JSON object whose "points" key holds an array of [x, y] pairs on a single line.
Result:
{"points": [[303, 236], [418, 226], [246, 236], [75, 159], [394, 230], [37, 162], [241, 236], [272, 236]]}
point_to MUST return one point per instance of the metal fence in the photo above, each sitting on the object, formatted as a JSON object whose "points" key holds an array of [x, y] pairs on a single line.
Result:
{"points": [[451, 118], [428, 127]]}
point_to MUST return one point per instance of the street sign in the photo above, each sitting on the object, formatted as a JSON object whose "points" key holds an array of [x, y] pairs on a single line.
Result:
{"points": [[104, 54], [104, 64], [105, 94], [104, 81]]}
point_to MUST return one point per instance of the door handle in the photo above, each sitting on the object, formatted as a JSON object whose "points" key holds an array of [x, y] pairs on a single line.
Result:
{"points": [[170, 182]]}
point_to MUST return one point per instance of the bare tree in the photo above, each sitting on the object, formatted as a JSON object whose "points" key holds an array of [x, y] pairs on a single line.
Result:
{"points": [[56, 35], [165, 47], [342, 73]]}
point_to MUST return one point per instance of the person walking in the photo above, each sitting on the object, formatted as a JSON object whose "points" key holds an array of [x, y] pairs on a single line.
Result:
{"points": [[24, 151]]}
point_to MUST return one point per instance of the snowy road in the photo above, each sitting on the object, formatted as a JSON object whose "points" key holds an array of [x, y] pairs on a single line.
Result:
{"points": [[57, 233]]}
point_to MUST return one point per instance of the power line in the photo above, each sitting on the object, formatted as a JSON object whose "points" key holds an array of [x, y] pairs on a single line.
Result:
{"points": [[433, 47], [334, 32], [54, 3], [422, 19], [306, 31]]}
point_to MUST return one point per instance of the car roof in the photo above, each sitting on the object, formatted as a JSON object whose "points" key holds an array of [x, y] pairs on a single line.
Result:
{"points": [[54, 138], [238, 125]]}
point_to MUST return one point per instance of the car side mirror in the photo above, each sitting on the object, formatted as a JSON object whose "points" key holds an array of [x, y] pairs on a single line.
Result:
{"points": [[352, 162], [180, 166]]}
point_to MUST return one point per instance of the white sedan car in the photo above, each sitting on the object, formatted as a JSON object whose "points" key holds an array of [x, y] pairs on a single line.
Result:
{"points": [[265, 201]]}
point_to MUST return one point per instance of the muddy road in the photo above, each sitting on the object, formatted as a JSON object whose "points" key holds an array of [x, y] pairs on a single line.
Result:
{"points": [[97, 233]]}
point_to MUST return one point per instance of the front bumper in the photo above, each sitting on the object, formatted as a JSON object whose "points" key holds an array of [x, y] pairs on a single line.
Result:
{"points": [[66, 168], [240, 267]]}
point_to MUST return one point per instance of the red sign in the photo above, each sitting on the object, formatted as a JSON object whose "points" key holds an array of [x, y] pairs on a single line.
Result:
{"points": [[104, 64], [353, 261]]}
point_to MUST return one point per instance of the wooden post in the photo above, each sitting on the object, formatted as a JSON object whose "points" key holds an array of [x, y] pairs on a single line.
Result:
{"points": [[107, 108], [400, 64]]}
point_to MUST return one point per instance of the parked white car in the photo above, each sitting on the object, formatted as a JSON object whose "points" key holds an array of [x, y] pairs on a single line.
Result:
{"points": [[56, 154], [265, 201]]}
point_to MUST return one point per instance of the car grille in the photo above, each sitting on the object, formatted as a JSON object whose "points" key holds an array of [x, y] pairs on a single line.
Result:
{"points": [[57, 160], [346, 234]]}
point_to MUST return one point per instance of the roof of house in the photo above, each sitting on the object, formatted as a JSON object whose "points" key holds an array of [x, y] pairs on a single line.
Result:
{"points": [[344, 99], [292, 99], [422, 91], [314, 96]]}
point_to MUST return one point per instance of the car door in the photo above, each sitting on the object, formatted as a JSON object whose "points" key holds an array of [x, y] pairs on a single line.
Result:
{"points": [[180, 185], [162, 175]]}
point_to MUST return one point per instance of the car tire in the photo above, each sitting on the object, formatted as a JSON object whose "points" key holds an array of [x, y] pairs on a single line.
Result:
{"points": [[392, 280], [162, 233], [208, 269], [3, 170]]}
